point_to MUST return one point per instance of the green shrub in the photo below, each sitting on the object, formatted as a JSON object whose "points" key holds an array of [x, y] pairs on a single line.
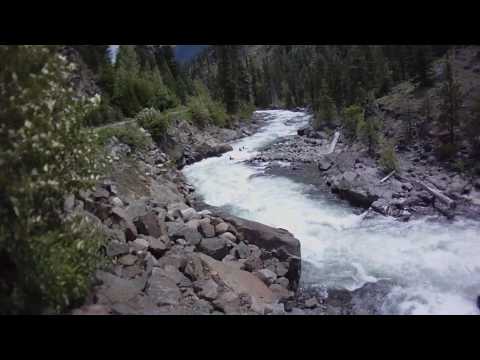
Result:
{"points": [[246, 111], [46, 153], [218, 114], [352, 116], [130, 135], [199, 111], [104, 114], [388, 157], [368, 132], [155, 122], [60, 264]]}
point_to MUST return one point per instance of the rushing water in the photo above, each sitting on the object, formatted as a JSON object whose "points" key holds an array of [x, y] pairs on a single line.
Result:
{"points": [[435, 267]]}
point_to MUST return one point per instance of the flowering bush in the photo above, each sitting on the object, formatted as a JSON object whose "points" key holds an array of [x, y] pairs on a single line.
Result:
{"points": [[45, 154]]}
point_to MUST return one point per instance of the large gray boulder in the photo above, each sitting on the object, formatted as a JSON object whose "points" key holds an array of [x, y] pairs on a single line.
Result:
{"points": [[121, 218], [162, 289], [151, 225], [215, 247], [238, 281], [281, 243]]}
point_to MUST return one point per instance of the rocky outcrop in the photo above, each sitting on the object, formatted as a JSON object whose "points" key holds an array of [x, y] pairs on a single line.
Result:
{"points": [[165, 257], [187, 144], [277, 243]]}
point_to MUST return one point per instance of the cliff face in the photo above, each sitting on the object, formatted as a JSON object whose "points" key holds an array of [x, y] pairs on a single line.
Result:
{"points": [[82, 78]]}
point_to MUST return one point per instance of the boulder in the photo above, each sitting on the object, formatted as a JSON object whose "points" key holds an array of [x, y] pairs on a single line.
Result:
{"points": [[176, 230], [120, 217], [206, 289], [128, 260], [325, 163], [281, 269], [221, 228], [181, 231], [239, 281], [189, 214], [163, 290], [207, 229], [115, 248], [151, 225], [354, 188], [192, 236], [174, 210], [179, 261], [142, 244], [228, 236], [194, 268], [242, 251], [137, 209], [157, 247], [117, 290], [175, 275], [130, 272], [280, 242], [229, 303], [193, 224], [267, 276], [214, 247]]}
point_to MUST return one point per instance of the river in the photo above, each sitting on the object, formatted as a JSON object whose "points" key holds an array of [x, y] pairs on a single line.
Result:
{"points": [[435, 266]]}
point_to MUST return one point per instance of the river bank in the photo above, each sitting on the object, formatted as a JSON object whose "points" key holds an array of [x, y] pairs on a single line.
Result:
{"points": [[165, 256], [354, 263]]}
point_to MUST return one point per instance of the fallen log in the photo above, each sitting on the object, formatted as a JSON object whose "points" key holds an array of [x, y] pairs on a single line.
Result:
{"points": [[333, 145], [387, 177], [451, 204]]}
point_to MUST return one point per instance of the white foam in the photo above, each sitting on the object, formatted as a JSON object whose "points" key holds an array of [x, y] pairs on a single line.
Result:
{"points": [[436, 266]]}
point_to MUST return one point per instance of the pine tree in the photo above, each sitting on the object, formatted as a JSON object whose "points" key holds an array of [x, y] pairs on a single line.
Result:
{"points": [[325, 108], [452, 99], [126, 75], [227, 74], [422, 65]]}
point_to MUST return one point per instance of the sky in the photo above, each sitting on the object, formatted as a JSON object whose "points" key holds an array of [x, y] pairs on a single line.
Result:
{"points": [[113, 52]]}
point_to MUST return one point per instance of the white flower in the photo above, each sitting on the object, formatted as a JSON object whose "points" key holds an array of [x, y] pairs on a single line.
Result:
{"points": [[96, 100], [28, 124], [50, 104]]}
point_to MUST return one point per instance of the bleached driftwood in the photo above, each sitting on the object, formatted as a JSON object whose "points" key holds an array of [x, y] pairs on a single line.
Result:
{"points": [[387, 177], [438, 195], [333, 145]]}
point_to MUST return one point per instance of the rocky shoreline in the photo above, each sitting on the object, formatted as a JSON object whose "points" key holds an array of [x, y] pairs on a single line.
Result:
{"points": [[167, 257], [352, 175]]}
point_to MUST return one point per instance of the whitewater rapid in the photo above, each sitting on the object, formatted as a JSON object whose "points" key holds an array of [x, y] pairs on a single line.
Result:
{"points": [[436, 267]]}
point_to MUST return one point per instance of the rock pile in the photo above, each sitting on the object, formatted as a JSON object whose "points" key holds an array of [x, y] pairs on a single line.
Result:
{"points": [[165, 257]]}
